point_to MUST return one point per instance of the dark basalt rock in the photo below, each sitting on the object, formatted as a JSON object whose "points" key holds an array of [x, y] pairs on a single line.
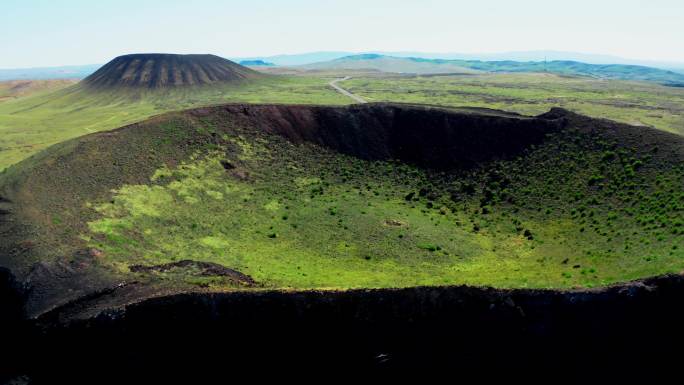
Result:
{"points": [[205, 268], [624, 332]]}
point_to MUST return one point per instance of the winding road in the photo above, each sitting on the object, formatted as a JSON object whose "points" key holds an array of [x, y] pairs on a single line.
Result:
{"points": [[344, 92]]}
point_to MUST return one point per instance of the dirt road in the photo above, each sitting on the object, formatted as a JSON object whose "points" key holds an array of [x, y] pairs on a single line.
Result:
{"points": [[341, 90]]}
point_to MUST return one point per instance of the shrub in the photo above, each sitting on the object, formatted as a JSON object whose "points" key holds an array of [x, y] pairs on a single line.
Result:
{"points": [[429, 247], [595, 179], [608, 156]]}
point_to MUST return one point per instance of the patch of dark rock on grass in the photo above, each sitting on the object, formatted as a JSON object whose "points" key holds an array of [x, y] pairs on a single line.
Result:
{"points": [[207, 269], [227, 165]]}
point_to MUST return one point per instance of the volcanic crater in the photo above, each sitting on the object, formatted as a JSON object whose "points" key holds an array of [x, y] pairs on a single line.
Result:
{"points": [[301, 197], [157, 70], [449, 227]]}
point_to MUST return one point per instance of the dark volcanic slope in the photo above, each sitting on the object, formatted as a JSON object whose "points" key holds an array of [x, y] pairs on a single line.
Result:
{"points": [[167, 70]]}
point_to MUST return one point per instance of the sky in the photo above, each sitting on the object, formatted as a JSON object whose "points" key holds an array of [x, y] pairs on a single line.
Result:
{"points": [[38, 33]]}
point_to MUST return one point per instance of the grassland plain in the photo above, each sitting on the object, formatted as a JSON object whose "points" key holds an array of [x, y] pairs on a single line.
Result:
{"points": [[28, 125], [636, 103]]}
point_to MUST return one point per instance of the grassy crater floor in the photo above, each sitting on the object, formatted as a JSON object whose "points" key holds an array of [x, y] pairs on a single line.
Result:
{"points": [[243, 197], [576, 210]]}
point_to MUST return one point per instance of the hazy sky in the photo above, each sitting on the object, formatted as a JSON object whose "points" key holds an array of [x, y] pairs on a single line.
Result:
{"points": [[50, 32]]}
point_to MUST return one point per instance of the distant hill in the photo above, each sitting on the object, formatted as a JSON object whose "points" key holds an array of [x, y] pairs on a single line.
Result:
{"points": [[65, 72], [392, 64], [298, 59], [167, 70], [439, 66], [603, 71], [256, 63]]}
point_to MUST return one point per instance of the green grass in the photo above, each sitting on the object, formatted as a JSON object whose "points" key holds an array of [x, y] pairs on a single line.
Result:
{"points": [[14, 89], [629, 102], [575, 211], [28, 125]]}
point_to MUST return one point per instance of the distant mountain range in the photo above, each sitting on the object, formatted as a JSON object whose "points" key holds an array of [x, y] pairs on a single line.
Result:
{"points": [[524, 56], [392, 64], [42, 73], [297, 59], [440, 66], [256, 63]]}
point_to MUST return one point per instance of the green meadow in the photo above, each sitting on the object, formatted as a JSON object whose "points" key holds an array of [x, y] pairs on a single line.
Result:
{"points": [[30, 124], [302, 216], [636, 103]]}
